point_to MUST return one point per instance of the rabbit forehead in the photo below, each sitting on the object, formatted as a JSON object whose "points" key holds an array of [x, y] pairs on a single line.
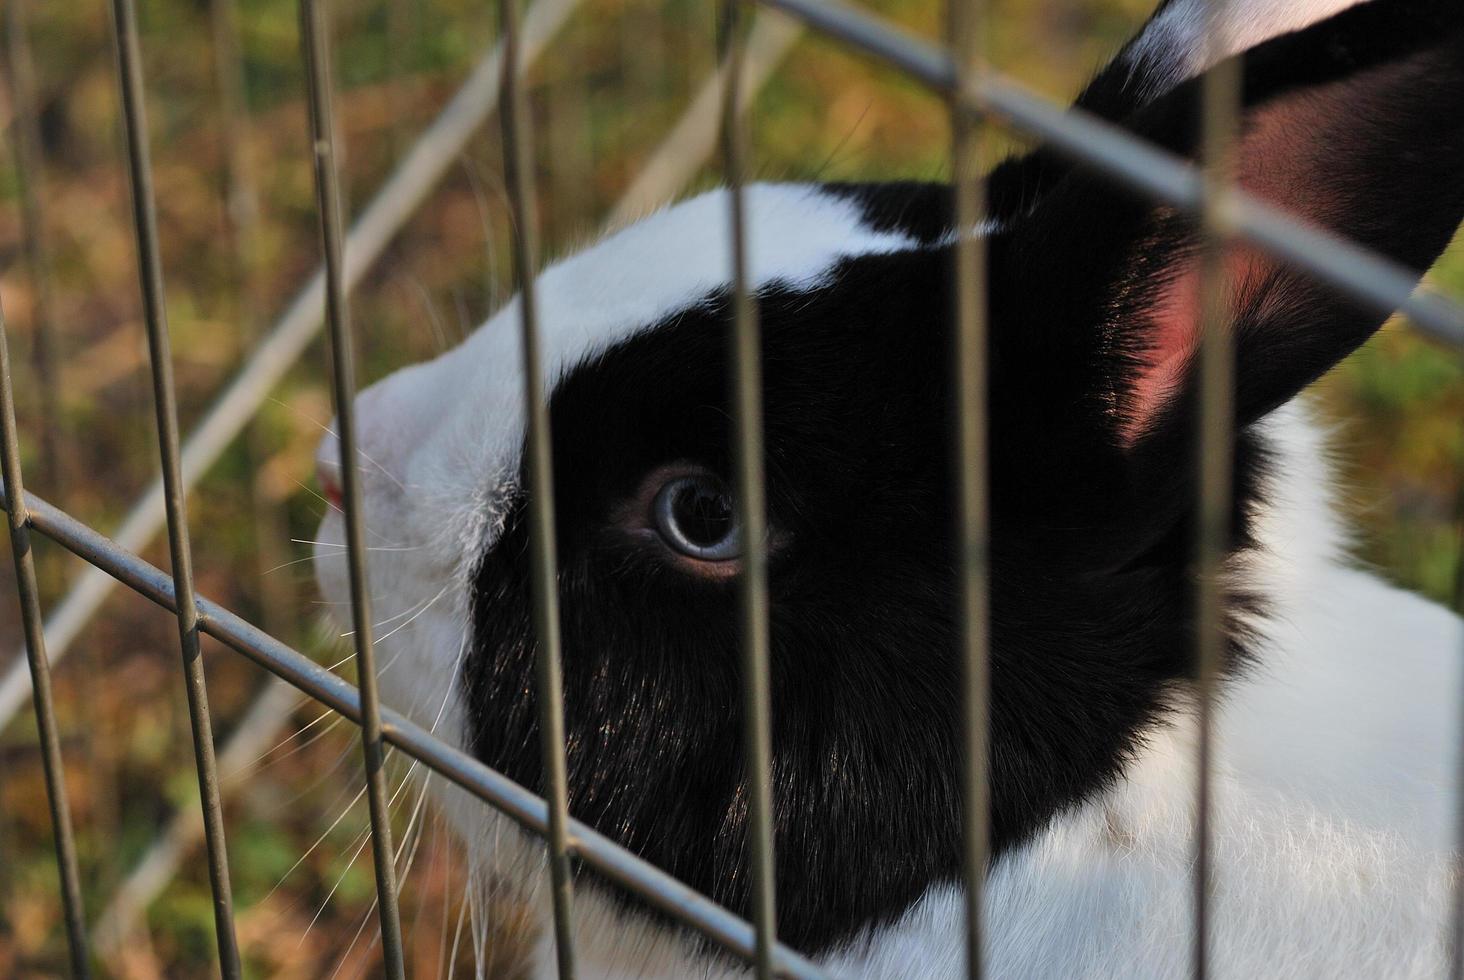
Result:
{"points": [[460, 418]]}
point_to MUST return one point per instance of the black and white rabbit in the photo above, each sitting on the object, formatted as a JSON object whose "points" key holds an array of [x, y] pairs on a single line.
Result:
{"points": [[1340, 709]]}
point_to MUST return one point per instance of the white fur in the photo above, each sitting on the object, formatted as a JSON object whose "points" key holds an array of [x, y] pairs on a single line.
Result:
{"points": [[1334, 798], [1177, 38]]}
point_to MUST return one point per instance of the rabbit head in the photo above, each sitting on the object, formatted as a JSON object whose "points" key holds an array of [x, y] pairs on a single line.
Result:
{"points": [[1352, 123]]}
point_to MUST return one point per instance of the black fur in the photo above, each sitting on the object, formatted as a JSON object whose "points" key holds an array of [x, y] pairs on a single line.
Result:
{"points": [[865, 671], [1091, 613]]}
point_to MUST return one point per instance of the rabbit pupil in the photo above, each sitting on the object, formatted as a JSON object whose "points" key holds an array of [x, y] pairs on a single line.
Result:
{"points": [[697, 517]]}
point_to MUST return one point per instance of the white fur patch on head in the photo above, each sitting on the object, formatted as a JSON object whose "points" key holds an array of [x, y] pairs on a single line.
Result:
{"points": [[459, 419], [441, 441]]}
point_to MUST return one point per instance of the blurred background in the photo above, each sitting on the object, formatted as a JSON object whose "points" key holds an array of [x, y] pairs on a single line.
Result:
{"points": [[239, 239]]}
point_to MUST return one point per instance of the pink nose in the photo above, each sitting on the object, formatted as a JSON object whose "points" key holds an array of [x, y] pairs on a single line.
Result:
{"points": [[327, 474]]}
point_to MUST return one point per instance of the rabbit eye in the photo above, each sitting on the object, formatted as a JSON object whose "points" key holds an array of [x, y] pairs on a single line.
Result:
{"points": [[695, 515]]}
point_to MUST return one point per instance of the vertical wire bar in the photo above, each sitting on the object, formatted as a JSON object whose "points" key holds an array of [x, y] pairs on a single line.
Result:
{"points": [[438, 146], [241, 199], [35, 245], [518, 165], [1220, 107], [1454, 941], [745, 350], [315, 39], [40, 668], [655, 184], [965, 38], [29, 158], [150, 272]]}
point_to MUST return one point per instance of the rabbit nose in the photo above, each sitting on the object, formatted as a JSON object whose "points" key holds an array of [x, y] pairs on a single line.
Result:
{"points": [[377, 453], [328, 470], [326, 475]]}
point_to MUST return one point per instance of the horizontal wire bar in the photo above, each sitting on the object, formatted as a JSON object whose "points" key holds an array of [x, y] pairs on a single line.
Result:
{"points": [[315, 50], [434, 152], [1356, 271], [528, 810]]}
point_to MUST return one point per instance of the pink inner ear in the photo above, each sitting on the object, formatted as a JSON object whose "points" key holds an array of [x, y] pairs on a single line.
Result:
{"points": [[1174, 335], [1282, 160]]}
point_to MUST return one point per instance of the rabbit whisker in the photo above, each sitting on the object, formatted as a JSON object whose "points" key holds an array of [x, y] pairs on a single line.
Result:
{"points": [[286, 740], [318, 841], [329, 431]]}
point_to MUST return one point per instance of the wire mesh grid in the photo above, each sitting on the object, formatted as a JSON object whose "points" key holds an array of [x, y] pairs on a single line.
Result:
{"points": [[977, 96]]}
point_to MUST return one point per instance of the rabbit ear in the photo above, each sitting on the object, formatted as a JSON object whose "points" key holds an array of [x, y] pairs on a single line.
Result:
{"points": [[1171, 48], [1184, 37], [1352, 124]]}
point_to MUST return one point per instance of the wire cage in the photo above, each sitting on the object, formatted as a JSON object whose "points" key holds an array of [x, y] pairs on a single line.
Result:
{"points": [[977, 96]]}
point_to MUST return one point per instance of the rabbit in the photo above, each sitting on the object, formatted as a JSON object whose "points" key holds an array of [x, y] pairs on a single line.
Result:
{"points": [[1338, 708]]}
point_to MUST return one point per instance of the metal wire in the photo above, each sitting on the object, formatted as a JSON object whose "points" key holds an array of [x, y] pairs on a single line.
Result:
{"points": [[40, 670], [747, 454], [1379, 283], [685, 149], [666, 171], [240, 193], [315, 41], [970, 375], [150, 275], [1226, 216], [614, 862], [435, 151], [1454, 936], [30, 165], [1220, 114], [253, 735], [518, 160]]}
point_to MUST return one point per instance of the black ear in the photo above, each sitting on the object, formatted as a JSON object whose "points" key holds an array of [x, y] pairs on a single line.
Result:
{"points": [[1184, 38], [1353, 124], [1179, 41]]}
